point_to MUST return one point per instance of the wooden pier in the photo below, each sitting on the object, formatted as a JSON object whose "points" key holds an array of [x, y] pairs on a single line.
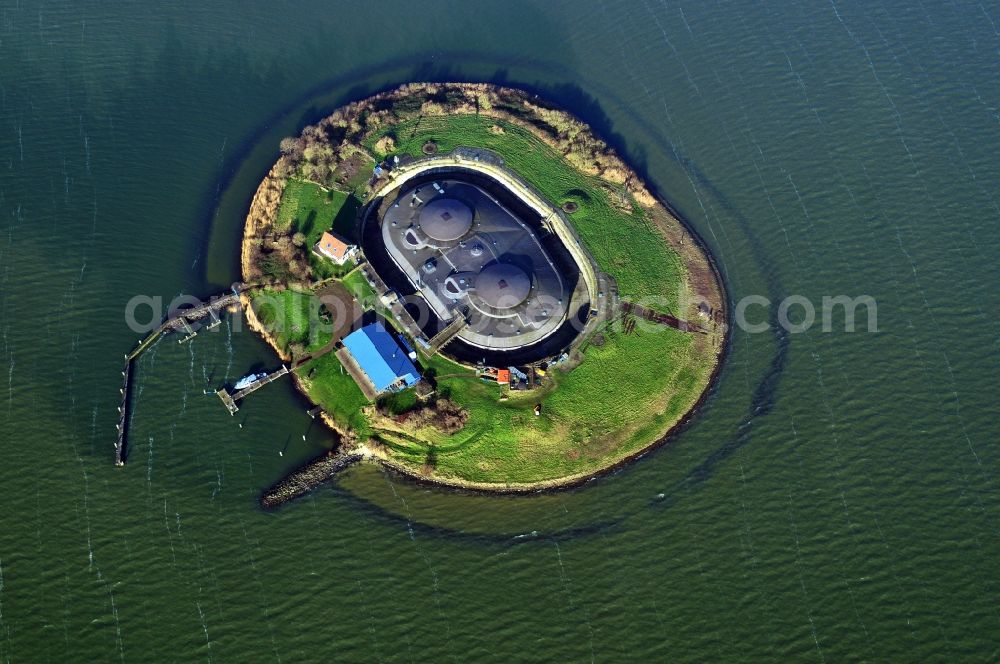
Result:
{"points": [[145, 343], [187, 328], [182, 321], [177, 323], [229, 400]]}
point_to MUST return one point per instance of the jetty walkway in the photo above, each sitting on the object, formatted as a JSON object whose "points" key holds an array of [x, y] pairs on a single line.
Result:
{"points": [[180, 322], [230, 399]]}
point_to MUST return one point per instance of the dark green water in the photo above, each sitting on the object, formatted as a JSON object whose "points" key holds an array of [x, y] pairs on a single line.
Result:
{"points": [[836, 499]]}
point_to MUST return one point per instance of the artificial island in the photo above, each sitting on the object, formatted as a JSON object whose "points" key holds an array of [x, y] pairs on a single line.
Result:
{"points": [[473, 289]]}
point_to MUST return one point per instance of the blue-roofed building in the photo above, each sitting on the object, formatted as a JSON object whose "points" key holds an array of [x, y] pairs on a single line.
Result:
{"points": [[381, 357]]}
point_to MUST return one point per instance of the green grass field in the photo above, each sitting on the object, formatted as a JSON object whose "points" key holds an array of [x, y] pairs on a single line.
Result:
{"points": [[330, 386], [359, 287], [624, 245], [310, 209], [625, 393], [286, 314]]}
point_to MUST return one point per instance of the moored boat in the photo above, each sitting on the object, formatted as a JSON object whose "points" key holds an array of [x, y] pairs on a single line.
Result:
{"points": [[248, 380]]}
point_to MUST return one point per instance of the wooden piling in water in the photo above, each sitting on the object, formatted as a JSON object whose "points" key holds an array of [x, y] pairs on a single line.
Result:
{"points": [[145, 343], [176, 323], [123, 416]]}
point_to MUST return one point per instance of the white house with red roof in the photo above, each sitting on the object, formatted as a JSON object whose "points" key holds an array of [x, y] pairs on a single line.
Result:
{"points": [[335, 248]]}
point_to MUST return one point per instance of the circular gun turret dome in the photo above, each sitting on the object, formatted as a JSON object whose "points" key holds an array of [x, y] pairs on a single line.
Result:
{"points": [[503, 285], [446, 219]]}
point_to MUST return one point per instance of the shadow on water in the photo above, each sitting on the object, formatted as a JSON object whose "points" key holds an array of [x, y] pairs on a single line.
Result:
{"points": [[370, 510], [588, 108]]}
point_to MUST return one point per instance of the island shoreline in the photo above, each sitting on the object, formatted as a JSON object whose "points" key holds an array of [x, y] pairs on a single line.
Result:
{"points": [[263, 210]]}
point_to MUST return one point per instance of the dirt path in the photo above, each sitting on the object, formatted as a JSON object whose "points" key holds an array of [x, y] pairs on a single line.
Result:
{"points": [[663, 319], [344, 309]]}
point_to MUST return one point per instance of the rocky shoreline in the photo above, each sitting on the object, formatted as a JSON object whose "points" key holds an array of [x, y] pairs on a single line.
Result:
{"points": [[308, 477]]}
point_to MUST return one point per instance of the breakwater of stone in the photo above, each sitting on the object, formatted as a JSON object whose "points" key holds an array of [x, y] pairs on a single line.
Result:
{"points": [[308, 477]]}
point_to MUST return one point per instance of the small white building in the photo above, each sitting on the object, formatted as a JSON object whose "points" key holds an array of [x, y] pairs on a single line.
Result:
{"points": [[335, 248]]}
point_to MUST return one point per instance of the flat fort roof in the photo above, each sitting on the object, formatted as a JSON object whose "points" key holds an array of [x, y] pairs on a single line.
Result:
{"points": [[381, 357], [468, 255]]}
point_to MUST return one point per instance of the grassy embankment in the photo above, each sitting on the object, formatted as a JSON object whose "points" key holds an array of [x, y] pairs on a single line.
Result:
{"points": [[625, 393], [359, 287], [624, 244], [330, 386], [285, 314]]}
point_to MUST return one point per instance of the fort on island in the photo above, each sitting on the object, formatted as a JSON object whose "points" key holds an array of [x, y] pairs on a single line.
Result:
{"points": [[470, 257], [474, 290], [476, 252]]}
